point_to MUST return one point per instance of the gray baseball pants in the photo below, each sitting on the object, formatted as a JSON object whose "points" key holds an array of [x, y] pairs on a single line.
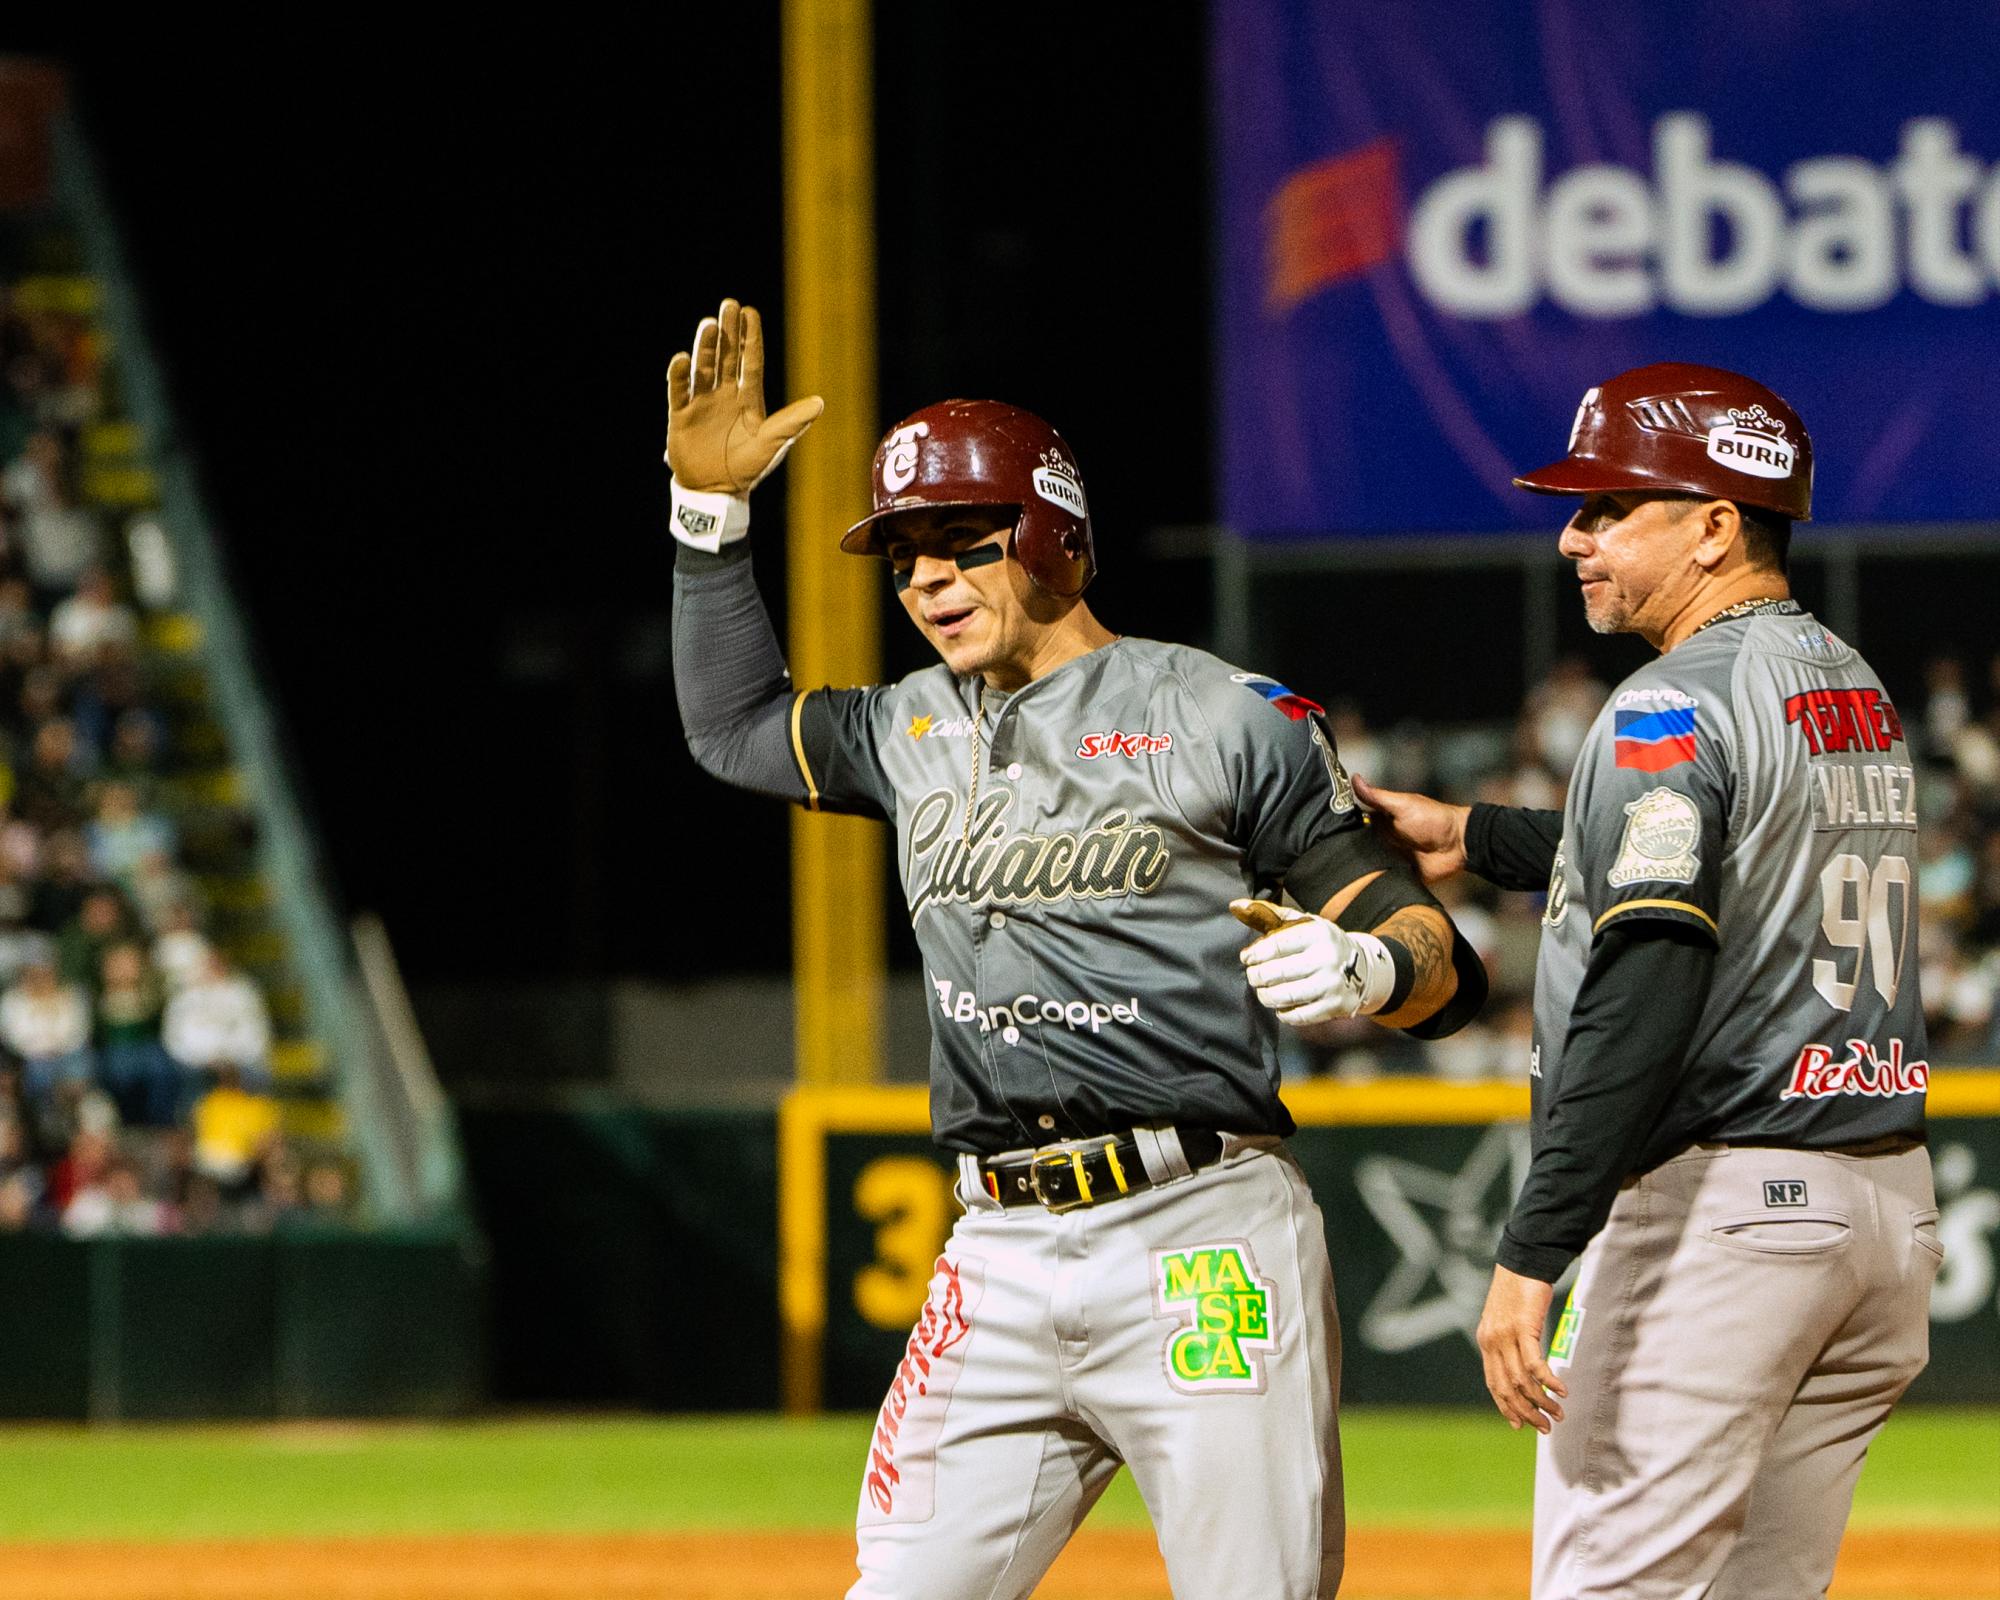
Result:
{"points": [[1741, 1327], [1187, 1331]]}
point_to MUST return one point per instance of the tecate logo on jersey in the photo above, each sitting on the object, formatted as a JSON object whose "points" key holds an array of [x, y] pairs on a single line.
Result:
{"points": [[1816, 1075], [1704, 236], [1114, 743], [1031, 1011]]}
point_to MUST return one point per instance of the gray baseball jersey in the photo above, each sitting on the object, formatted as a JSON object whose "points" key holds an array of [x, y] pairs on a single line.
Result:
{"points": [[1068, 870], [1755, 783]]}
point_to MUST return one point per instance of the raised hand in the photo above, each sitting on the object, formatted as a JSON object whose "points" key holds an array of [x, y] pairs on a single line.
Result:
{"points": [[719, 440]]}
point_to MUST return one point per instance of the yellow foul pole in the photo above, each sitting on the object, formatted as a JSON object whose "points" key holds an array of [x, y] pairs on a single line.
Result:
{"points": [[837, 936]]}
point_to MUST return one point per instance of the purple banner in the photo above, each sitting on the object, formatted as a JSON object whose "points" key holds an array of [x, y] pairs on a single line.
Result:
{"points": [[1439, 224]]}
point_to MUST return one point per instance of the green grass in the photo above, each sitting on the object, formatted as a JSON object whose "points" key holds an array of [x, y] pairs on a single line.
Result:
{"points": [[1419, 1469]]}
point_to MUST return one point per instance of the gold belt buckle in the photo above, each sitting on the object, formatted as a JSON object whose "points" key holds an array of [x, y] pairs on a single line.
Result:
{"points": [[1072, 1160], [1061, 1160]]}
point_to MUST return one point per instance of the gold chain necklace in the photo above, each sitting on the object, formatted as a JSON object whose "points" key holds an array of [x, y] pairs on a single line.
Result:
{"points": [[972, 789], [1766, 605]]}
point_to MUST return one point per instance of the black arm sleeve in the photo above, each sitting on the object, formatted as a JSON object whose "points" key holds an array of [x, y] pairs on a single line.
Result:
{"points": [[729, 675], [1512, 846], [1624, 1054]]}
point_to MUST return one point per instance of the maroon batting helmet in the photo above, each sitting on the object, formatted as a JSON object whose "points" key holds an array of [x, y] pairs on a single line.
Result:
{"points": [[966, 454], [1696, 430]]}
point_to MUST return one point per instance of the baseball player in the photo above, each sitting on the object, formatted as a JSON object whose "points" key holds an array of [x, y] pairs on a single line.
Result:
{"points": [[1140, 1275], [1728, 1069]]}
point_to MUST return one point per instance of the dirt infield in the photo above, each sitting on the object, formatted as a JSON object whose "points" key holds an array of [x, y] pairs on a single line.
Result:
{"points": [[1109, 1565]]}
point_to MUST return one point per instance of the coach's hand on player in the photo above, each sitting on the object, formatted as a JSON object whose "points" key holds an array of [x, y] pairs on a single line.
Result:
{"points": [[719, 441], [1429, 832], [1308, 970], [1522, 1383]]}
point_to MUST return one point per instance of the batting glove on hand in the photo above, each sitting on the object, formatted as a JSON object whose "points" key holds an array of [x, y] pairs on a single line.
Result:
{"points": [[718, 439], [1310, 971]]}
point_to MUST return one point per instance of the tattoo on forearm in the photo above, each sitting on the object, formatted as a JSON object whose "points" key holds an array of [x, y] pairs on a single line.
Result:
{"points": [[1426, 934]]}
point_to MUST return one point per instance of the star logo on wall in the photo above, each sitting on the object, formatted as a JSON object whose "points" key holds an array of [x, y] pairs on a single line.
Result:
{"points": [[1445, 1226]]}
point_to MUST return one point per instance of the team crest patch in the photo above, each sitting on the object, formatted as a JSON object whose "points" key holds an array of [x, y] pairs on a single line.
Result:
{"points": [[1653, 729], [1662, 829], [1556, 907], [1568, 1326], [1343, 786], [1231, 1315], [1295, 706]]}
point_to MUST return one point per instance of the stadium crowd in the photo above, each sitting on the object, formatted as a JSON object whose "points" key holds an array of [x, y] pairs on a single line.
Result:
{"points": [[135, 1081], [1955, 739]]}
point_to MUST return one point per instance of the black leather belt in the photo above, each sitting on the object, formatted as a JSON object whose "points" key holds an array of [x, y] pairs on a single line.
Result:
{"points": [[1086, 1172]]}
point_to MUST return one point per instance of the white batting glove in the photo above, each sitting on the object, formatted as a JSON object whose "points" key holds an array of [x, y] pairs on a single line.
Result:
{"points": [[1310, 971]]}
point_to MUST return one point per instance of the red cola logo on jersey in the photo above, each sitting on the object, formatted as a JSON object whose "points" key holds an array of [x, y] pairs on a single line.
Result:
{"points": [[1838, 720], [1816, 1075], [1114, 743], [950, 862]]}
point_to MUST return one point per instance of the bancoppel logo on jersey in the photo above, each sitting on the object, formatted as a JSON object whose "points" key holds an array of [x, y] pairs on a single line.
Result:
{"points": [[1094, 746], [1816, 1075], [1032, 1011]]}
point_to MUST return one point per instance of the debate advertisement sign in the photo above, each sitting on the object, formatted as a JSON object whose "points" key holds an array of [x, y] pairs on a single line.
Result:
{"points": [[1439, 224]]}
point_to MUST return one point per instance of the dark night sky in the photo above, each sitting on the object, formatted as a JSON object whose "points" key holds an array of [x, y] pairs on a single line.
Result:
{"points": [[415, 312]]}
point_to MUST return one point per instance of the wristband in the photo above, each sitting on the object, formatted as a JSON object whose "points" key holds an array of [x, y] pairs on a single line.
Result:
{"points": [[705, 521], [1377, 974]]}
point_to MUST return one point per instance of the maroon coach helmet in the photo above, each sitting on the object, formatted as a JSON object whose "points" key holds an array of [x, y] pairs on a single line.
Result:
{"points": [[966, 454], [1698, 430]]}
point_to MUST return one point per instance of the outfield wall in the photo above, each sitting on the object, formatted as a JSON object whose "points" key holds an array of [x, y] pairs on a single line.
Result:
{"points": [[297, 1325], [644, 1257]]}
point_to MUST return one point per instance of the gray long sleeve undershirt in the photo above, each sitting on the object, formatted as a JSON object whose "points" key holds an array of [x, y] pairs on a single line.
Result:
{"points": [[729, 675]]}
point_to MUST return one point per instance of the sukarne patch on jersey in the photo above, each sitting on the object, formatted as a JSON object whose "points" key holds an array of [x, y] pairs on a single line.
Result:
{"points": [[1295, 706], [1817, 1075], [1653, 729], [1094, 746]]}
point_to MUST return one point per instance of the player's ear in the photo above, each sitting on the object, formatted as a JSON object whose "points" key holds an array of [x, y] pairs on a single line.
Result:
{"points": [[1721, 532]]}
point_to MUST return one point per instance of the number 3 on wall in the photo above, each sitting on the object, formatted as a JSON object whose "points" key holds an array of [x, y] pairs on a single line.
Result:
{"points": [[908, 1198], [1866, 928]]}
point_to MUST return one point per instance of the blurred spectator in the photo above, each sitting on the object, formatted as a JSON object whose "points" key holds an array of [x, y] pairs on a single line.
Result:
{"points": [[157, 886], [140, 1075], [100, 923], [219, 1021], [17, 614], [114, 1205], [46, 1023], [91, 622], [234, 1129], [326, 1190], [64, 882], [49, 790], [122, 832], [82, 1166], [1560, 713], [137, 740], [59, 540], [179, 952]]}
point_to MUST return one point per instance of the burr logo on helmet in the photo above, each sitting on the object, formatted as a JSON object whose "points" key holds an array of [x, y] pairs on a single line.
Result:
{"points": [[1753, 441], [1057, 481], [899, 456]]}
